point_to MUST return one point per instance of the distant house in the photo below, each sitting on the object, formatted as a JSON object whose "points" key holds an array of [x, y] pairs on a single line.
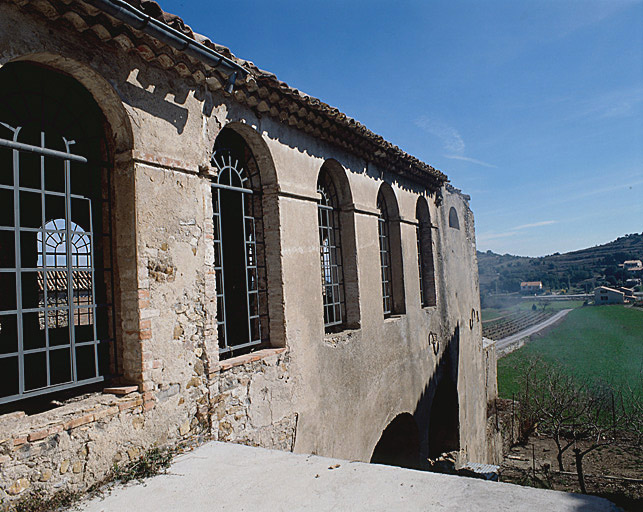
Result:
{"points": [[632, 265], [531, 286], [605, 295], [629, 293]]}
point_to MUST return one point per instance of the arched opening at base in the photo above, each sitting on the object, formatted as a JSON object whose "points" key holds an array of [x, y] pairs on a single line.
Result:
{"points": [[444, 425], [399, 444]]}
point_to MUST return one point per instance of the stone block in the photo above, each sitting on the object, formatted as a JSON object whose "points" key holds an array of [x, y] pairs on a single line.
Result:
{"points": [[37, 436], [18, 486], [64, 466], [77, 422]]}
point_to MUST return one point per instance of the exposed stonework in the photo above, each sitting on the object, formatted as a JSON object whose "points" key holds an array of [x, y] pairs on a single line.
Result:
{"points": [[252, 403]]}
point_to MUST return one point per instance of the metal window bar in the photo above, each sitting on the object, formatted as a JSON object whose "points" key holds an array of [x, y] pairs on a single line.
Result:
{"points": [[330, 255], [232, 177], [385, 258], [56, 314]]}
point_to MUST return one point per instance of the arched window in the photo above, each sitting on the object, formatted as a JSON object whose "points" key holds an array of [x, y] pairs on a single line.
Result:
{"points": [[330, 253], [242, 313], [56, 306], [425, 254], [390, 252], [453, 219]]}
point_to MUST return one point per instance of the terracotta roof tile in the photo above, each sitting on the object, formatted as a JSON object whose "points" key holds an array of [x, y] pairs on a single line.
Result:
{"points": [[262, 91]]}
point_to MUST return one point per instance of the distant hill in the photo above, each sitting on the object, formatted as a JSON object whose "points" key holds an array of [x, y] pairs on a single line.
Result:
{"points": [[581, 269]]}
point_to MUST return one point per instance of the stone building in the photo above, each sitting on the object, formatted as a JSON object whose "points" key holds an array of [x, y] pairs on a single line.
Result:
{"points": [[190, 246]]}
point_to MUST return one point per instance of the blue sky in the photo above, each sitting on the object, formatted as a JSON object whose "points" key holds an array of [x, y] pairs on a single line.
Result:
{"points": [[534, 108]]}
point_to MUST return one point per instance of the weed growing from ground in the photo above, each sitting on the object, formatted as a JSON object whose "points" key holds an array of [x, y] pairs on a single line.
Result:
{"points": [[152, 462]]}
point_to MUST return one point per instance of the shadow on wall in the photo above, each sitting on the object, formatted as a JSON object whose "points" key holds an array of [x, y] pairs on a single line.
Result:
{"points": [[434, 426]]}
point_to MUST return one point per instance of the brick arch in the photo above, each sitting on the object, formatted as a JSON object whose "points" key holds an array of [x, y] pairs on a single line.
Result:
{"points": [[260, 151], [266, 186], [337, 172], [118, 120], [79, 104], [344, 215]]}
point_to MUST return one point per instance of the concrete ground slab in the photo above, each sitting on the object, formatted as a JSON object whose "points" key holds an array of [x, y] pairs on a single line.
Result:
{"points": [[220, 476]]}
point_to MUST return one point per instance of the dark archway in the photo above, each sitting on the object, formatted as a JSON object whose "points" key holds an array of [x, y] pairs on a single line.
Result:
{"points": [[399, 444], [444, 423]]}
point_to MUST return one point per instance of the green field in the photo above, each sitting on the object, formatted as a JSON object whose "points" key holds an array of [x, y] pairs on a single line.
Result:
{"points": [[594, 342]]}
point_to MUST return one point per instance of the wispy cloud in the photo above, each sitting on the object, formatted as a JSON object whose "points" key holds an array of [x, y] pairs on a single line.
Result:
{"points": [[483, 237], [469, 159], [452, 141], [449, 136], [536, 224], [614, 104]]}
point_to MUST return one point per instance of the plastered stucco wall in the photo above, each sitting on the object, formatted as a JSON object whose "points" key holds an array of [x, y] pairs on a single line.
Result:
{"points": [[311, 392]]}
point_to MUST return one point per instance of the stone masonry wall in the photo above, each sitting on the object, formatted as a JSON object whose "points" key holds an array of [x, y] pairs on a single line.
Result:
{"points": [[252, 402]]}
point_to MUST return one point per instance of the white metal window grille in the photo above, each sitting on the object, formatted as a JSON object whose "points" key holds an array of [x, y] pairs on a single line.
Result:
{"points": [[330, 253], [49, 337], [239, 294], [385, 256], [56, 279]]}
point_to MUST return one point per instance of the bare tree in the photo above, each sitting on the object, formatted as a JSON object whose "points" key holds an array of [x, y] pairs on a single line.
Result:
{"points": [[607, 414], [553, 401], [578, 415]]}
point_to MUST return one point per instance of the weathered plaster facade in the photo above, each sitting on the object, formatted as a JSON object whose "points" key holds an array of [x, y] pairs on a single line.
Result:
{"points": [[309, 391]]}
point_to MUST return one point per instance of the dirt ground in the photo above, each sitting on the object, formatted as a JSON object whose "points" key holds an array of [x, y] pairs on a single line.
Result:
{"points": [[614, 472]]}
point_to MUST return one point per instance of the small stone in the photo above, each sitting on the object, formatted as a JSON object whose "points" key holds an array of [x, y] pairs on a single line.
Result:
{"points": [[198, 367], [178, 332], [45, 475], [64, 466], [77, 467], [193, 383], [138, 423], [184, 429], [133, 453], [18, 486]]}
